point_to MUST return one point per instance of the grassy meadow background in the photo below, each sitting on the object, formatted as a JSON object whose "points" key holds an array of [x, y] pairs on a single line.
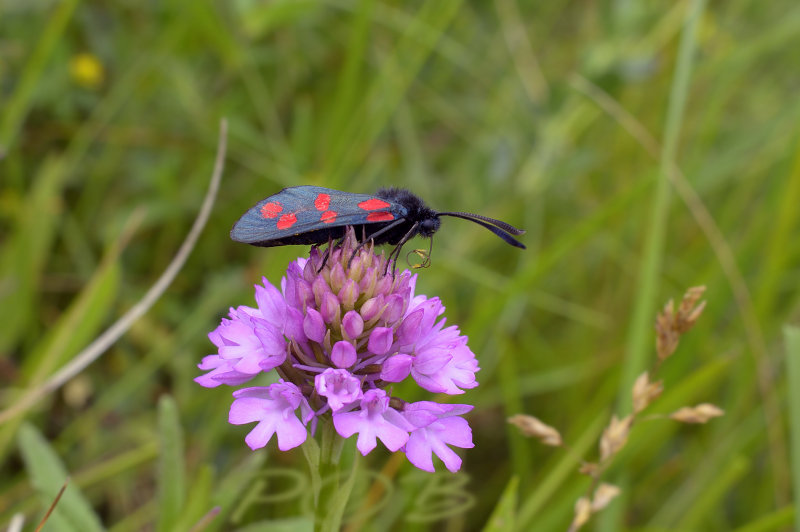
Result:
{"points": [[645, 146]]}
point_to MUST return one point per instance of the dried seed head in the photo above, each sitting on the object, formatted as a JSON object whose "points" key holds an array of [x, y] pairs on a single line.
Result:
{"points": [[615, 436], [666, 337], [697, 414], [644, 392], [688, 312], [603, 495], [671, 323], [532, 427], [583, 511], [584, 507], [589, 468]]}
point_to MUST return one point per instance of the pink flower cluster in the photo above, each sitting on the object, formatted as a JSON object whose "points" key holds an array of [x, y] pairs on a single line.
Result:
{"points": [[338, 333]]}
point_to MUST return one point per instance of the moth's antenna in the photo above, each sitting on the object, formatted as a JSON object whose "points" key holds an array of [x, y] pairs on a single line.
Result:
{"points": [[508, 228], [498, 230]]}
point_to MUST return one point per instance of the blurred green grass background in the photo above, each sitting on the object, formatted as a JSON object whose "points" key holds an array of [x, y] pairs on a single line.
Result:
{"points": [[563, 118]]}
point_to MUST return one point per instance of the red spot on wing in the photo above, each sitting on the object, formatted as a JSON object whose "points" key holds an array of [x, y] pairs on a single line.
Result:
{"points": [[271, 209], [286, 221], [373, 204], [382, 216], [328, 217], [322, 202]]}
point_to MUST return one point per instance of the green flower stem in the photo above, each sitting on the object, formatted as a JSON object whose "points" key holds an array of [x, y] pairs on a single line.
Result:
{"points": [[330, 493]]}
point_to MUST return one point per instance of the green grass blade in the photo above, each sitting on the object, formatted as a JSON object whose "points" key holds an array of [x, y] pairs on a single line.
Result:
{"points": [[17, 107], [171, 473], [47, 473], [700, 515], [351, 76], [198, 498], [791, 336], [234, 493], [25, 252], [289, 524], [504, 515], [775, 521], [78, 324], [645, 305], [390, 85], [778, 249]]}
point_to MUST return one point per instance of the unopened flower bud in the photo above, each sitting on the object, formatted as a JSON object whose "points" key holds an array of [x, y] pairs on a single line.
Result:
{"points": [[337, 277], [394, 309], [372, 308], [368, 281], [305, 295], [348, 294], [329, 308], [356, 267], [343, 354], [384, 285], [314, 326], [310, 269], [320, 288], [352, 324], [380, 340]]}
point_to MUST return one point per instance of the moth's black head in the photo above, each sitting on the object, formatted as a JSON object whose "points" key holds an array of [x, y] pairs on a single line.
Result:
{"points": [[418, 212], [428, 226]]}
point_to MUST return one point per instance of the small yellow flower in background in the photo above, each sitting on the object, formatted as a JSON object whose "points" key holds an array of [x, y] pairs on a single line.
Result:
{"points": [[86, 70]]}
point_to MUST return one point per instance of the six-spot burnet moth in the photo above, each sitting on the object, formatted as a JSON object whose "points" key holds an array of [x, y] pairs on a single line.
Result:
{"points": [[316, 215]]}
